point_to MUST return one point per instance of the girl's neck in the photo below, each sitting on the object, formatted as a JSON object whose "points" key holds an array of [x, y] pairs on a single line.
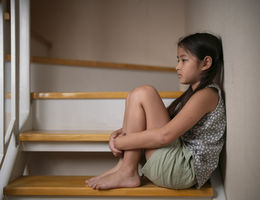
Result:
{"points": [[195, 85]]}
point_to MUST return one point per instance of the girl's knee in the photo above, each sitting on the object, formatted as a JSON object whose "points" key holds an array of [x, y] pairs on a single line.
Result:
{"points": [[142, 92]]}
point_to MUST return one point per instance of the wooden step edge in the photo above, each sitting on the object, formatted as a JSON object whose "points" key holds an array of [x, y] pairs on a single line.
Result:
{"points": [[97, 64], [7, 16], [96, 95], [75, 186], [41, 136]]}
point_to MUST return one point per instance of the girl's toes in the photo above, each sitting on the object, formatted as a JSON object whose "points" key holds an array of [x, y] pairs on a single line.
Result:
{"points": [[97, 187], [94, 186]]}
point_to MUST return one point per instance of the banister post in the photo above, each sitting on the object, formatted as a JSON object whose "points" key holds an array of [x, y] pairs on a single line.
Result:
{"points": [[14, 124], [2, 79], [24, 63]]}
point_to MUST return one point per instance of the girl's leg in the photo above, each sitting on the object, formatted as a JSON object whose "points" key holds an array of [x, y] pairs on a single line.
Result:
{"points": [[144, 110], [93, 180]]}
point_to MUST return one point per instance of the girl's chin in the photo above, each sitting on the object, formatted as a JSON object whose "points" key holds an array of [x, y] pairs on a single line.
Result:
{"points": [[183, 82]]}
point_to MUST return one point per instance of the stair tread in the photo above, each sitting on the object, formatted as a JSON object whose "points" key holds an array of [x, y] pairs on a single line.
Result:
{"points": [[75, 186], [65, 136], [95, 95], [95, 64]]}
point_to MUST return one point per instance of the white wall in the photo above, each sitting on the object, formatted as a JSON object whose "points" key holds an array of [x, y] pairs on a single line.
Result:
{"points": [[128, 31], [131, 31], [237, 21], [51, 78]]}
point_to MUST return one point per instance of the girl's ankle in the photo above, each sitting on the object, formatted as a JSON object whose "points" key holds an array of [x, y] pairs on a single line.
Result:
{"points": [[130, 171]]}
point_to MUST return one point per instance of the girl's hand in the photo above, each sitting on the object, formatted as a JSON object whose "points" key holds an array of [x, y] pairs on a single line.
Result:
{"points": [[116, 152]]}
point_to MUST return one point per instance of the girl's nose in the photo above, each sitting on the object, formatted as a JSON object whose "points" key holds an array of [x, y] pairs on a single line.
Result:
{"points": [[178, 66]]}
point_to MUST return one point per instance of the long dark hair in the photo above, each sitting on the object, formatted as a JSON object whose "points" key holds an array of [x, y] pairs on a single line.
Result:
{"points": [[201, 45]]}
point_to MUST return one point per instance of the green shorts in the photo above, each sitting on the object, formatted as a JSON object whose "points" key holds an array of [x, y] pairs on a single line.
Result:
{"points": [[171, 167]]}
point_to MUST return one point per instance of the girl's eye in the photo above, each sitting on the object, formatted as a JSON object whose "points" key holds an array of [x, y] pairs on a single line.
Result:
{"points": [[182, 60]]}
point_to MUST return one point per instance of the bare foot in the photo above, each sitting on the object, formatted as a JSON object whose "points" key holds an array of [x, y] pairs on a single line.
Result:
{"points": [[118, 179], [94, 180]]}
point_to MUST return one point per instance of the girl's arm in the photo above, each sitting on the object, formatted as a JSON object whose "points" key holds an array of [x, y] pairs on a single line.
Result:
{"points": [[113, 135], [201, 103]]}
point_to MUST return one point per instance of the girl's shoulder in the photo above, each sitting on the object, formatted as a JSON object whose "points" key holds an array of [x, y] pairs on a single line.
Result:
{"points": [[208, 98]]}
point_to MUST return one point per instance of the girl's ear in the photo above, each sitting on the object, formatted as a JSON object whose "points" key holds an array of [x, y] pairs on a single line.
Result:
{"points": [[206, 63]]}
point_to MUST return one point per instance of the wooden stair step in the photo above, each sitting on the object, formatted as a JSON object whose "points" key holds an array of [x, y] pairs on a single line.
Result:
{"points": [[75, 186], [65, 136], [94, 95], [65, 141], [88, 63]]}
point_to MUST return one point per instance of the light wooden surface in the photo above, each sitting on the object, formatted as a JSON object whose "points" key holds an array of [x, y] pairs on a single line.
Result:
{"points": [[75, 186], [98, 64], [65, 136], [96, 95], [7, 16]]}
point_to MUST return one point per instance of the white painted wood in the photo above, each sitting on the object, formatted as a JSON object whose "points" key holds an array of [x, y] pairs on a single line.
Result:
{"points": [[69, 163], [24, 63], [65, 146], [92, 114], [2, 81], [77, 79], [7, 164], [14, 70]]}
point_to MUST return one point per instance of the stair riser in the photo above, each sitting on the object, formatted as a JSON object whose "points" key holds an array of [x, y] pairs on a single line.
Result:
{"points": [[66, 163], [75, 78], [79, 114]]}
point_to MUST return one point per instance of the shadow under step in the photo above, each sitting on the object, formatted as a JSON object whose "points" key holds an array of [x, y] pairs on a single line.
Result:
{"points": [[75, 186]]}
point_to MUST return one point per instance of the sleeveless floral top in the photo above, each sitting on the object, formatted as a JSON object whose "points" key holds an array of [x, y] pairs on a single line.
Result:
{"points": [[205, 140]]}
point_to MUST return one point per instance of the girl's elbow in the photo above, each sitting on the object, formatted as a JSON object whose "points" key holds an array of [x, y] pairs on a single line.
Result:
{"points": [[164, 139]]}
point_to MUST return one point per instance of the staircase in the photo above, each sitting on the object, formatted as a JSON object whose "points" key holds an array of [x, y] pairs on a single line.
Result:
{"points": [[66, 141], [57, 158]]}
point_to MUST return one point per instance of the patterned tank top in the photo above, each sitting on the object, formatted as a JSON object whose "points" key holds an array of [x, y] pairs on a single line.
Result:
{"points": [[205, 140]]}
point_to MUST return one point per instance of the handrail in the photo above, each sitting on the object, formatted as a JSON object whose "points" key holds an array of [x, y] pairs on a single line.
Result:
{"points": [[97, 64]]}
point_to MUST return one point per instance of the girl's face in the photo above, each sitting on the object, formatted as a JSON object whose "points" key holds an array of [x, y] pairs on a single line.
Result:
{"points": [[188, 68]]}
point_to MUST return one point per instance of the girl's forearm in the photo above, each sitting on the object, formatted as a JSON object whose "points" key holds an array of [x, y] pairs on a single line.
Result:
{"points": [[141, 140]]}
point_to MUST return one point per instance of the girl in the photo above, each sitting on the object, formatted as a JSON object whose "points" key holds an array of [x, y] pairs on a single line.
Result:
{"points": [[182, 143]]}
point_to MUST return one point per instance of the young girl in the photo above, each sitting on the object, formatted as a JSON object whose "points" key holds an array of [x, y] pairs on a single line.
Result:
{"points": [[182, 143]]}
